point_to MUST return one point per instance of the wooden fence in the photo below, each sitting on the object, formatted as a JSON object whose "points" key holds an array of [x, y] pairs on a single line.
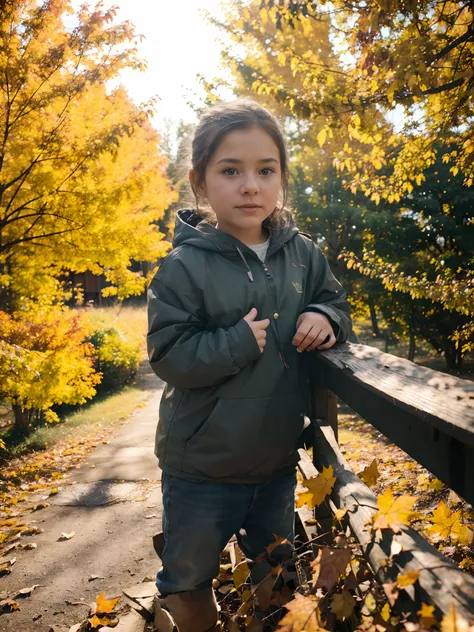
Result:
{"points": [[429, 415]]}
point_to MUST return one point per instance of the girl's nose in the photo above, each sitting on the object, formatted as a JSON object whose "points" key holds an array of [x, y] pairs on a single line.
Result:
{"points": [[250, 185]]}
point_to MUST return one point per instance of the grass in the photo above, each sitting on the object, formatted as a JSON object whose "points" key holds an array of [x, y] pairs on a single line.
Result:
{"points": [[85, 422], [130, 320]]}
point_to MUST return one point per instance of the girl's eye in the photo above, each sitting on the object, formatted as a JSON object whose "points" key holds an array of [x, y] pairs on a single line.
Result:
{"points": [[226, 171], [268, 171]]}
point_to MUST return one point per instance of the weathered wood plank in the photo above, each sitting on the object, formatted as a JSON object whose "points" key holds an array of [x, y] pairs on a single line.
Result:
{"points": [[440, 581], [428, 414]]}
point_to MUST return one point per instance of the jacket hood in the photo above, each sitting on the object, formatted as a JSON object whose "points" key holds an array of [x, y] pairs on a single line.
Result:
{"points": [[191, 229]]}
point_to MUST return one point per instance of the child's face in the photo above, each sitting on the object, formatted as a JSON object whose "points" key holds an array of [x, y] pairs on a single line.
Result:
{"points": [[243, 181]]}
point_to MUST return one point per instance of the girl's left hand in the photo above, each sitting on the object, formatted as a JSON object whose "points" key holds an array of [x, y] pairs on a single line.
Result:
{"points": [[312, 329]]}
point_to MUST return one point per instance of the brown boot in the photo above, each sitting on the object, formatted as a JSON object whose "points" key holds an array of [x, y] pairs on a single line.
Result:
{"points": [[194, 610]]}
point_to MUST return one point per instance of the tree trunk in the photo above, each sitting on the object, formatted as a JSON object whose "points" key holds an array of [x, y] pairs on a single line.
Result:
{"points": [[373, 318], [450, 355], [412, 347], [22, 419]]}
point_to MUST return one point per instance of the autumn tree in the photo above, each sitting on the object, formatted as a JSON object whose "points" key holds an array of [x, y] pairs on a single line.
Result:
{"points": [[81, 181], [82, 187], [295, 58]]}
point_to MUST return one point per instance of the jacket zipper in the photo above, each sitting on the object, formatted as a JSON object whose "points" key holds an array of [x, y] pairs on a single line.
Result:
{"points": [[274, 300]]}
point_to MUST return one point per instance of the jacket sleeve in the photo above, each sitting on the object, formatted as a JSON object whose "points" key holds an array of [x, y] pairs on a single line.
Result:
{"points": [[182, 352], [328, 296]]}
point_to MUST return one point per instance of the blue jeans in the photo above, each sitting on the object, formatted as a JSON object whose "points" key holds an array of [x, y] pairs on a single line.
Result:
{"points": [[199, 518]]}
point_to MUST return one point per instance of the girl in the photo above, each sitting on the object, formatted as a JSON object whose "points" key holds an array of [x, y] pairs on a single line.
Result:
{"points": [[231, 309]]}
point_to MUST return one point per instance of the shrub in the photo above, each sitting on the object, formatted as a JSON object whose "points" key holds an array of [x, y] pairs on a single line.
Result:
{"points": [[116, 357]]}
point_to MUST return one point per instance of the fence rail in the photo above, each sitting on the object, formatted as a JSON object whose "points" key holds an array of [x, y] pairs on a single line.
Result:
{"points": [[429, 415]]}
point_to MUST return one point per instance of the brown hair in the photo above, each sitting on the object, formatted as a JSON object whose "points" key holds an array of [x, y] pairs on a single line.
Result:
{"points": [[219, 121]]}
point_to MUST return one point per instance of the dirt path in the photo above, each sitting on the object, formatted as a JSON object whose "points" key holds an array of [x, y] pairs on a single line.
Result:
{"points": [[114, 508]]}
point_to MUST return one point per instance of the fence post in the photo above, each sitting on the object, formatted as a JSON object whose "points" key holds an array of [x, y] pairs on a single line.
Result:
{"points": [[324, 409], [325, 406]]}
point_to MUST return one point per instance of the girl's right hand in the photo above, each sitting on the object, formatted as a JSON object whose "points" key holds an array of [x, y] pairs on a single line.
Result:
{"points": [[258, 327]]}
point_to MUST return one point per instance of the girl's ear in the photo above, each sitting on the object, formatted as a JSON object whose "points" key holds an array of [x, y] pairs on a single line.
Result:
{"points": [[198, 189]]}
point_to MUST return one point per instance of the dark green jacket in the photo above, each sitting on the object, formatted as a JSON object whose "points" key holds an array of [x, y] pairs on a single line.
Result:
{"points": [[229, 412]]}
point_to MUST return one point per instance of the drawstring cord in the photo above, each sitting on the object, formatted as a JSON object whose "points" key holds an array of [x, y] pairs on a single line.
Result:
{"points": [[249, 271]]}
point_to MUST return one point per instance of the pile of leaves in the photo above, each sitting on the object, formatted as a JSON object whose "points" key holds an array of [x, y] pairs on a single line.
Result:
{"points": [[328, 585]]}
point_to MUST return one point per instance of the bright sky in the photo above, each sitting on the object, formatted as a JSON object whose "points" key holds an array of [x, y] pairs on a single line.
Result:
{"points": [[178, 45]]}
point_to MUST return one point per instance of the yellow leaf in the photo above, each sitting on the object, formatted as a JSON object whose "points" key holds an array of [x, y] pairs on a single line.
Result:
{"points": [[408, 578], [385, 612], [94, 621], [426, 614], [370, 474], [453, 622], [322, 137], [393, 512], [343, 604], [448, 524], [303, 615], [319, 487], [240, 574], [105, 605], [339, 514]]}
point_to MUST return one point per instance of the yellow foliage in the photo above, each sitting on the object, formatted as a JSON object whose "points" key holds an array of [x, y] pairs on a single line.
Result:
{"points": [[44, 360], [453, 622], [408, 578], [370, 474], [303, 616], [83, 181], [448, 524], [393, 512], [318, 488]]}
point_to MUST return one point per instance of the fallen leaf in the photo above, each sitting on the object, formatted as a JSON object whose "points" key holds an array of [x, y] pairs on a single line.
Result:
{"points": [[385, 612], [246, 603], [26, 592], [343, 604], [303, 615], [394, 512], [8, 606], [328, 566], [28, 546], [225, 589], [105, 605], [426, 614], [318, 488], [40, 506], [339, 514], [32, 531], [407, 579], [263, 592], [453, 622], [370, 474], [240, 574], [66, 536], [448, 524]]}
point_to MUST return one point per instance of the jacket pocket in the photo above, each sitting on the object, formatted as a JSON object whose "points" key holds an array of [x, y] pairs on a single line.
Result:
{"points": [[245, 436]]}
